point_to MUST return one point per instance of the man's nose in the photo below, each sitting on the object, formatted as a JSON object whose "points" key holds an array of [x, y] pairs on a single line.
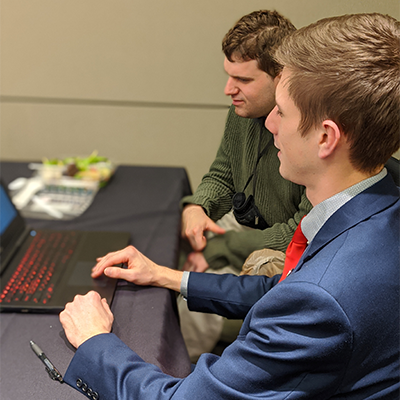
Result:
{"points": [[230, 87], [272, 121]]}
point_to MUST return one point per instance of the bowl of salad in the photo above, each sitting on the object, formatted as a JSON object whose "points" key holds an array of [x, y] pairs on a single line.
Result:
{"points": [[94, 168]]}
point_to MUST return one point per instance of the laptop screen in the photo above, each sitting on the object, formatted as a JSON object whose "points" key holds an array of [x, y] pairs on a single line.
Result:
{"points": [[12, 227], [7, 211]]}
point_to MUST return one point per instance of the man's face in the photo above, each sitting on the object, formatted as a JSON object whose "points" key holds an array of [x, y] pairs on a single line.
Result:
{"points": [[297, 154], [252, 90]]}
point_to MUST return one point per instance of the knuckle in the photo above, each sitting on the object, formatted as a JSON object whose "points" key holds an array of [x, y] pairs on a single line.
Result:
{"points": [[92, 294], [131, 249]]}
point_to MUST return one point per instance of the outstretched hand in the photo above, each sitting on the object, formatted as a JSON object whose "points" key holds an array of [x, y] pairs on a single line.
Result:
{"points": [[194, 223], [140, 269]]}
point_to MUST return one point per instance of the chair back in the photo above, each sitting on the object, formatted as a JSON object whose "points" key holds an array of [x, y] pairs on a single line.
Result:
{"points": [[393, 167]]}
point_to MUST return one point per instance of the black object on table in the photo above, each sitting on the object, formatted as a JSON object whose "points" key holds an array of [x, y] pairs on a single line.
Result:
{"points": [[145, 202]]}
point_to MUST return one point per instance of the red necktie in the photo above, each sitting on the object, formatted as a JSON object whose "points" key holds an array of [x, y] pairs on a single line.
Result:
{"points": [[294, 251]]}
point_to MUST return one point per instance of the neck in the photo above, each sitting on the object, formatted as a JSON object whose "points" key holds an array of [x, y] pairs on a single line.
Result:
{"points": [[334, 182]]}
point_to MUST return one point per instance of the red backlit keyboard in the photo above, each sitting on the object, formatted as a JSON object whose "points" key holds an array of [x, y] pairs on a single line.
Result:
{"points": [[36, 275]]}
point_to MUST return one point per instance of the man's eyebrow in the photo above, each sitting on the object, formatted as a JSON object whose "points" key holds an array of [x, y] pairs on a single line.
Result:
{"points": [[247, 78]]}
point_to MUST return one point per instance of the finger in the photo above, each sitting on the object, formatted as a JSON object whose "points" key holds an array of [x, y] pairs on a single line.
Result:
{"points": [[118, 273], [196, 268], [107, 308], [198, 241], [102, 263], [105, 305], [187, 266], [61, 316], [110, 259], [213, 227], [91, 295]]}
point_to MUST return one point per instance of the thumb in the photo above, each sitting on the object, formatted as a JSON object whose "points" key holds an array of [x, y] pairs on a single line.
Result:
{"points": [[117, 273]]}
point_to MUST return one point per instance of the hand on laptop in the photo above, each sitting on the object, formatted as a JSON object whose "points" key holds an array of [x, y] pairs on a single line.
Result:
{"points": [[141, 270], [85, 317], [90, 315]]}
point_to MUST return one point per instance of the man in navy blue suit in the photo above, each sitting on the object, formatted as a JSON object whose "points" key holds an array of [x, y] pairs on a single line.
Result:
{"points": [[330, 330]]}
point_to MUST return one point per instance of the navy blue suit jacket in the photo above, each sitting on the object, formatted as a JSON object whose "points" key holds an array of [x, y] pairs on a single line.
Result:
{"points": [[328, 331]]}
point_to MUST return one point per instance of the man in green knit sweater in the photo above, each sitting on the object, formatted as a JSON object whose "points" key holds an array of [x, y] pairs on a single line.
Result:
{"points": [[252, 77]]}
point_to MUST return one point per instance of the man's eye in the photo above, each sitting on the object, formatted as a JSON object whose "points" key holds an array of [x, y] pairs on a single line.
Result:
{"points": [[278, 112]]}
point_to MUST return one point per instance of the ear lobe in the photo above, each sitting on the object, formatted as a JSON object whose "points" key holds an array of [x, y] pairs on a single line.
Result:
{"points": [[329, 138]]}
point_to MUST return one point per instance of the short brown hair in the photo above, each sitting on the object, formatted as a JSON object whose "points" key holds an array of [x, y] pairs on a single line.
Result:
{"points": [[347, 69], [255, 37]]}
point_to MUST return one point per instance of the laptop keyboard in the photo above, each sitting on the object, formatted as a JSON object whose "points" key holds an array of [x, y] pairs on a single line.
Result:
{"points": [[39, 269]]}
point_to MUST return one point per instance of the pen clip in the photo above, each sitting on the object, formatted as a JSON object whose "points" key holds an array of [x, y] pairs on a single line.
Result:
{"points": [[53, 372]]}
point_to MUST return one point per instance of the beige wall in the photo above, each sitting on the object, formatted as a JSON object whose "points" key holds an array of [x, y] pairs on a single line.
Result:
{"points": [[140, 81]]}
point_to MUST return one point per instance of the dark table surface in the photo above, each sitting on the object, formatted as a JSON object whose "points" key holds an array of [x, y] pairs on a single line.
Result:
{"points": [[145, 202]]}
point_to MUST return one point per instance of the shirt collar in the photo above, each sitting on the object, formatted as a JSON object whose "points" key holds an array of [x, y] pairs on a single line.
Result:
{"points": [[316, 218]]}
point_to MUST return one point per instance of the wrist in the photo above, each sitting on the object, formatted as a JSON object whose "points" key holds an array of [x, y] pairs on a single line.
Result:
{"points": [[169, 278], [189, 207], [87, 337]]}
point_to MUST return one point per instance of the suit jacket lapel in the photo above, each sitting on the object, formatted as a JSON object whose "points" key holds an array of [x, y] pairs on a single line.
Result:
{"points": [[371, 201]]}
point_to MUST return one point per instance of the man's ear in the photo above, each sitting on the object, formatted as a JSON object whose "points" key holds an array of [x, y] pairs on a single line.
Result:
{"points": [[330, 137]]}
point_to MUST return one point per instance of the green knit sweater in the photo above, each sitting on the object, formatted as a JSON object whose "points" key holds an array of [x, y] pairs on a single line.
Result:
{"points": [[281, 203]]}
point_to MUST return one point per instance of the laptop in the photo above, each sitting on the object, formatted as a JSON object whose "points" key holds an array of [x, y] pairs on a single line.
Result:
{"points": [[42, 270]]}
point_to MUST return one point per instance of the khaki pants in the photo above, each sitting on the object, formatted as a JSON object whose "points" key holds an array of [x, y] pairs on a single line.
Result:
{"points": [[202, 331]]}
